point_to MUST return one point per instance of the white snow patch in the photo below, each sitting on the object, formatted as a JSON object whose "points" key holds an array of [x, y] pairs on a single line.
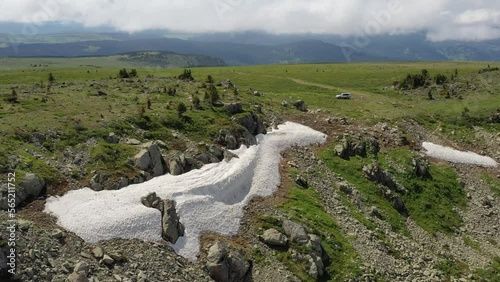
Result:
{"points": [[209, 199], [456, 156]]}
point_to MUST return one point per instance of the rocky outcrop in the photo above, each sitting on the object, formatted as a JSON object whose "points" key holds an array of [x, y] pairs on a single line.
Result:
{"points": [[171, 226], [420, 167], [226, 138], [150, 159], [177, 164], [379, 175], [274, 238], [227, 265], [300, 105], [253, 123], [296, 231], [112, 138], [350, 148], [234, 108], [30, 187], [301, 181]]}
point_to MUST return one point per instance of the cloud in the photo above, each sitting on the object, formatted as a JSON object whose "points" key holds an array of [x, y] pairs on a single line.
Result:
{"points": [[442, 19]]}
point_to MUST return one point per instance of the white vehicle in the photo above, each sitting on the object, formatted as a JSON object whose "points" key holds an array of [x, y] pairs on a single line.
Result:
{"points": [[344, 96]]}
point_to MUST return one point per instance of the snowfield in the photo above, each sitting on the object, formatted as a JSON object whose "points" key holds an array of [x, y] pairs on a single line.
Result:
{"points": [[456, 156], [210, 199]]}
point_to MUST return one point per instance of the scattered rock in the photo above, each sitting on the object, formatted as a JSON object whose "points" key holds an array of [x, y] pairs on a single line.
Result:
{"points": [[172, 228], [296, 231], [107, 260], [420, 167], [226, 265], [77, 277], [177, 164], [101, 93], [300, 105], [133, 141], [97, 252], [301, 181], [112, 138], [150, 159], [273, 237], [226, 138], [30, 187], [234, 108]]}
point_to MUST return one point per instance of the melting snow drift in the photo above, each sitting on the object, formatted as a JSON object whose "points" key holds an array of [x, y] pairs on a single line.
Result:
{"points": [[455, 156], [209, 199]]}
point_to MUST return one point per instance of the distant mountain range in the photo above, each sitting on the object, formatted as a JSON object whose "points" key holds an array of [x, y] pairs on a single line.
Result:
{"points": [[252, 48]]}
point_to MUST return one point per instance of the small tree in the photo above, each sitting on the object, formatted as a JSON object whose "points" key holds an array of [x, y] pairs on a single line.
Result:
{"points": [[186, 75], [213, 94], [149, 104], [429, 94], [209, 79], [52, 79], [133, 73], [123, 74], [196, 102], [12, 98], [181, 109]]}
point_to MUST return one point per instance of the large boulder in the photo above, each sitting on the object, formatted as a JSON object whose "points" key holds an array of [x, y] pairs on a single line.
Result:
{"points": [[171, 226], [225, 265], [273, 237], [234, 108], [253, 123], [150, 159], [300, 105], [177, 164], [296, 231], [30, 187], [420, 167], [226, 138]]}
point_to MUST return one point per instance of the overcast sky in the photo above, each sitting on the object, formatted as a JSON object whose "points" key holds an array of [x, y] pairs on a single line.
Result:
{"points": [[441, 19]]}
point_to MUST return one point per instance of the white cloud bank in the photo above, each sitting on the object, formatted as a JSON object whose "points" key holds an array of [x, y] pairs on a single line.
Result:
{"points": [[208, 200], [442, 19]]}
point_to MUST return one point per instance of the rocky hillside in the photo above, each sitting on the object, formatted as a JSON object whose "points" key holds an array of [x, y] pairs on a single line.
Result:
{"points": [[368, 205]]}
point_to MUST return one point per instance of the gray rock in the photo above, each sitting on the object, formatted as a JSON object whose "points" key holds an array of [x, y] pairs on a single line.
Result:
{"points": [[253, 123], [177, 164], [317, 268], [273, 237], [143, 160], [57, 234], [257, 93], [227, 139], [133, 141], [77, 277], [224, 265], [107, 260], [301, 181], [234, 108], [296, 231], [112, 138], [420, 167], [150, 159], [172, 228], [97, 252], [82, 267], [228, 156], [300, 105], [216, 151], [96, 182], [315, 244], [30, 187], [248, 138]]}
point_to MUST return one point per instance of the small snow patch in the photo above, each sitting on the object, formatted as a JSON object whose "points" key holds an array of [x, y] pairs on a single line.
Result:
{"points": [[210, 199], [456, 156]]}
